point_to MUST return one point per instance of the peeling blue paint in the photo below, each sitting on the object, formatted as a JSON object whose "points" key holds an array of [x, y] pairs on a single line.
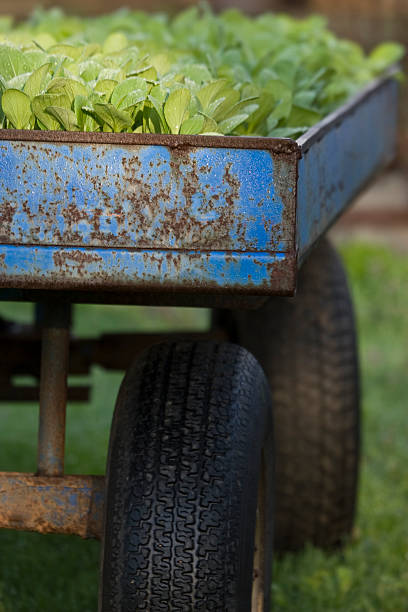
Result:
{"points": [[140, 197], [138, 269]]}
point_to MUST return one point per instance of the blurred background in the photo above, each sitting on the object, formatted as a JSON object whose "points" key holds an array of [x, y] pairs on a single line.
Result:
{"points": [[59, 573]]}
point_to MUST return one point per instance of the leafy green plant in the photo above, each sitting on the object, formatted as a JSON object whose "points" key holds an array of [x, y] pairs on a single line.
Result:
{"points": [[196, 73]]}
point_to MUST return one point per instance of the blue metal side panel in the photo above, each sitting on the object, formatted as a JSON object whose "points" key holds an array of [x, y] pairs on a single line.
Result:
{"points": [[120, 269], [146, 197], [334, 168]]}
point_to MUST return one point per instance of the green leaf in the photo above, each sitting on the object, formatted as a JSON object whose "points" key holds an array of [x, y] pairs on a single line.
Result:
{"points": [[65, 117], [89, 70], [129, 92], [193, 125], [115, 42], [287, 69], [149, 73], [211, 134], [151, 120], [91, 49], [41, 102], [247, 105], [44, 40], [66, 51], [2, 89], [18, 81], [35, 58], [157, 98], [90, 124], [36, 82], [68, 87], [176, 109], [288, 132], [116, 119], [113, 74], [385, 55], [199, 73], [158, 95], [219, 109], [17, 108], [105, 88], [228, 125], [12, 62], [210, 126], [305, 99], [283, 100], [80, 116], [161, 63], [266, 103], [302, 116], [131, 100], [210, 92]]}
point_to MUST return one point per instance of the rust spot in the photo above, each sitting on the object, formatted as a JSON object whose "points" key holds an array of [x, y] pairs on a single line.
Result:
{"points": [[67, 504], [7, 210], [63, 260], [183, 223], [285, 182], [277, 145]]}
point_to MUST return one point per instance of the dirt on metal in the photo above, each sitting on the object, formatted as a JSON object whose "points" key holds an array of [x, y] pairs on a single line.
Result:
{"points": [[69, 504]]}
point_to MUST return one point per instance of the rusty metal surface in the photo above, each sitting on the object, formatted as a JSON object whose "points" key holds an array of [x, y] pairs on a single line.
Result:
{"points": [[144, 197], [146, 212], [341, 155], [126, 270], [69, 504], [173, 141], [53, 389]]}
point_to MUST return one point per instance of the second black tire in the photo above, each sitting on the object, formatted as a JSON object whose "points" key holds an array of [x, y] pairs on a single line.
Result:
{"points": [[307, 347], [188, 523]]}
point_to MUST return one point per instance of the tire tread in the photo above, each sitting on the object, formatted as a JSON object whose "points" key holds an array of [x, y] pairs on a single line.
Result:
{"points": [[181, 480]]}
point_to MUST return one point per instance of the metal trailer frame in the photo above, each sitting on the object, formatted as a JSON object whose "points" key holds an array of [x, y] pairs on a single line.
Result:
{"points": [[157, 219]]}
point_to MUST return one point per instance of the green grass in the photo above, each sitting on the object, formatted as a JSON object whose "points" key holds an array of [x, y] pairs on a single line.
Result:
{"points": [[58, 573], [371, 574]]}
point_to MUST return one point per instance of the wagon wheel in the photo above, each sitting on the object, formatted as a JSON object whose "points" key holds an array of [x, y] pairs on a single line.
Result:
{"points": [[189, 484], [307, 347]]}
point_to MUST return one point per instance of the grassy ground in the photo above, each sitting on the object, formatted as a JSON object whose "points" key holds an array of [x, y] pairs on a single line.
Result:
{"points": [[371, 575], [57, 573]]}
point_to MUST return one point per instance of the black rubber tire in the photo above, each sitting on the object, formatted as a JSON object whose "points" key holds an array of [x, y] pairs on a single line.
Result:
{"points": [[190, 441], [307, 347]]}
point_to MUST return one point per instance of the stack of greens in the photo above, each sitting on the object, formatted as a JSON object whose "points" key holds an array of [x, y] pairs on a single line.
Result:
{"points": [[196, 73]]}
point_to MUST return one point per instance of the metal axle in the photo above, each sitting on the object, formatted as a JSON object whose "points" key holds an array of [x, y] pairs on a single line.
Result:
{"points": [[53, 388]]}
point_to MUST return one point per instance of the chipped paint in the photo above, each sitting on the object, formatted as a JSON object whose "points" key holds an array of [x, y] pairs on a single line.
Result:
{"points": [[124, 270], [340, 157], [140, 197], [68, 504]]}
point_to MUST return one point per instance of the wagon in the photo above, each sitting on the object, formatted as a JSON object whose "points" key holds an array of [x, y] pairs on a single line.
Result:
{"points": [[203, 438]]}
